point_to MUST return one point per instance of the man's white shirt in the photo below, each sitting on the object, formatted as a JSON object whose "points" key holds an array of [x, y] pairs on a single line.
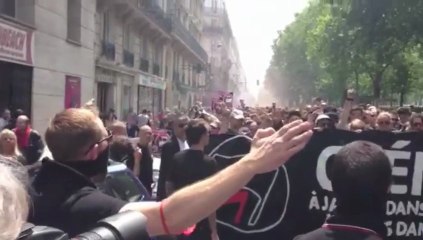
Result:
{"points": [[183, 145]]}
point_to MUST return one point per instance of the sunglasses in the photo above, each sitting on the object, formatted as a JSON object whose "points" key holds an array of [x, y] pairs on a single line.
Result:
{"points": [[107, 139], [384, 123], [324, 124]]}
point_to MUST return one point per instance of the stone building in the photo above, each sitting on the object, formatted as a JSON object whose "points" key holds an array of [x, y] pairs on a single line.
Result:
{"points": [[129, 55], [148, 54], [46, 56], [225, 70]]}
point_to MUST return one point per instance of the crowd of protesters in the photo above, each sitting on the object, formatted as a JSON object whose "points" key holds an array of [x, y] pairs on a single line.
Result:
{"points": [[64, 195], [180, 137]]}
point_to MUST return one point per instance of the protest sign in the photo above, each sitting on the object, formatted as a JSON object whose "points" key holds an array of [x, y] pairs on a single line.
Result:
{"points": [[297, 198]]}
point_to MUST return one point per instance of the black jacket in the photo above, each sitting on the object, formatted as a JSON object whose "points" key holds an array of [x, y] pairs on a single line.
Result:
{"points": [[169, 149], [35, 148], [360, 227], [65, 199], [146, 171]]}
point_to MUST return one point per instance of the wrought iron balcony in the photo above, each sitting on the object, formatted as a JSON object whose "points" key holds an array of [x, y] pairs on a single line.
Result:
{"points": [[180, 31], [108, 50], [155, 13], [128, 58], [144, 65], [156, 69]]}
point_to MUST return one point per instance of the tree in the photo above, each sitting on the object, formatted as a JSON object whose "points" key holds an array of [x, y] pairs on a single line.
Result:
{"points": [[357, 43], [297, 71]]}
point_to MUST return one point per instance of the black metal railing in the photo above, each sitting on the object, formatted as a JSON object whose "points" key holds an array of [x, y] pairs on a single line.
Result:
{"points": [[108, 50], [144, 65], [179, 30], [128, 58], [155, 13], [156, 69]]}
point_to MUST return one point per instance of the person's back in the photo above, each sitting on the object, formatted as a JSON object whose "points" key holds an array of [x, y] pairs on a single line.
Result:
{"points": [[190, 166], [143, 118], [341, 233], [361, 176]]}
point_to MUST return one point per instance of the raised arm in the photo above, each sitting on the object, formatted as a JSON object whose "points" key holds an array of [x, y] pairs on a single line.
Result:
{"points": [[269, 150]]}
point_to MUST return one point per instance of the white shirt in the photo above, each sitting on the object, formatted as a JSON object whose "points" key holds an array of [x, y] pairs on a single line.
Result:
{"points": [[3, 123], [142, 120], [183, 145]]}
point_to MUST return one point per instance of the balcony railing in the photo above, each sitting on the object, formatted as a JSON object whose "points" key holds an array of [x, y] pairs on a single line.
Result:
{"points": [[128, 58], [144, 65], [155, 13], [179, 30], [156, 69], [108, 50]]}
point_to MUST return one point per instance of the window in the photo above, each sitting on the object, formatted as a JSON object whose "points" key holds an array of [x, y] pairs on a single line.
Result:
{"points": [[8, 7], [107, 26], [22, 10], [126, 100], [144, 52], [152, 55], [123, 185], [127, 43], [214, 5], [158, 55], [74, 20]]}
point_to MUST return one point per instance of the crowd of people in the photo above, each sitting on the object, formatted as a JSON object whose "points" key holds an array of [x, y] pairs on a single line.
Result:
{"points": [[82, 145]]}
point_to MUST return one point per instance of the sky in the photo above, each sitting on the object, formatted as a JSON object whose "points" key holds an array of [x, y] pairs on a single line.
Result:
{"points": [[255, 24]]}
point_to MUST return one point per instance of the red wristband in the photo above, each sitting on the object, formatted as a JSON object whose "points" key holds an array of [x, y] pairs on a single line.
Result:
{"points": [[163, 219]]}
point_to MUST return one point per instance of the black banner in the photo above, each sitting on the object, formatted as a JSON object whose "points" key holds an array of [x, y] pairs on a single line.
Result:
{"points": [[296, 198]]}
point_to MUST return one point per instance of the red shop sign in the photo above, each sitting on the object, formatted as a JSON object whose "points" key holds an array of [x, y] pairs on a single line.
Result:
{"points": [[16, 44]]}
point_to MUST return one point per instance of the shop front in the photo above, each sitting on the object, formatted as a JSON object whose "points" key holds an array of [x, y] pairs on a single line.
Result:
{"points": [[106, 82], [16, 60], [150, 92]]}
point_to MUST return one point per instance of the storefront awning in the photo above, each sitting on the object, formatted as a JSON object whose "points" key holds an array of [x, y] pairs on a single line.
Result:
{"points": [[151, 81]]}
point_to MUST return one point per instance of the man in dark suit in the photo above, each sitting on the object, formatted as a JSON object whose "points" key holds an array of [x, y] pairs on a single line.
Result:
{"points": [[176, 144]]}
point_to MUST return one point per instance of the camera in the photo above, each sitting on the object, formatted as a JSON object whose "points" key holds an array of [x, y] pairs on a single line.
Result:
{"points": [[129, 225]]}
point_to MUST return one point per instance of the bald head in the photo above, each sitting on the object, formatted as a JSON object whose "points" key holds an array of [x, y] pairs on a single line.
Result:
{"points": [[118, 128], [22, 122], [145, 135], [357, 125]]}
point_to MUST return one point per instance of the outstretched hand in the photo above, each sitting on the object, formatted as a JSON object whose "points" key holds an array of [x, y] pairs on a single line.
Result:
{"points": [[271, 149]]}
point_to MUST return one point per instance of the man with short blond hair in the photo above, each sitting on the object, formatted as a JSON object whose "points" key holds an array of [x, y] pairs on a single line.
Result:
{"points": [[64, 143]]}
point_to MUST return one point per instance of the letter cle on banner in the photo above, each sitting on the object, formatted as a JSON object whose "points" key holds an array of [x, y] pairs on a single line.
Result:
{"points": [[16, 43], [297, 198]]}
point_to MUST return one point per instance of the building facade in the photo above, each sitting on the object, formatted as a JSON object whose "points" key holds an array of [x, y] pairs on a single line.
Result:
{"points": [[225, 69], [129, 55], [189, 60], [148, 54], [46, 56]]}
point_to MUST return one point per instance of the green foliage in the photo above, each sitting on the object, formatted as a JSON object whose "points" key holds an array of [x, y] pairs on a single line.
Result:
{"points": [[373, 46]]}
